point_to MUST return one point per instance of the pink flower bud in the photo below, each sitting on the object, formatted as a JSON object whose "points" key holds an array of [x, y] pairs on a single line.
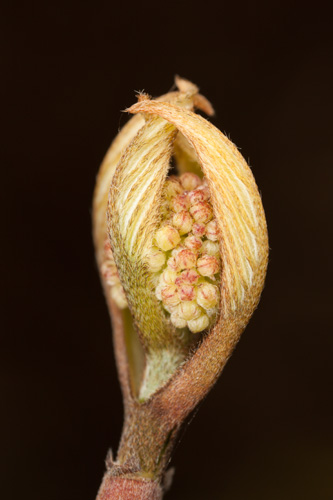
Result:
{"points": [[193, 242], [198, 195], [210, 248], [186, 292], [189, 310], [208, 265], [199, 324], [189, 277], [169, 295], [198, 229], [186, 259], [173, 264], [180, 202], [167, 237], [176, 251], [212, 231], [190, 181], [156, 259], [183, 222], [201, 212], [207, 295], [172, 187]]}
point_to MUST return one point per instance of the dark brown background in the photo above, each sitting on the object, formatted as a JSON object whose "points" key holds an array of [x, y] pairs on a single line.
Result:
{"points": [[68, 68]]}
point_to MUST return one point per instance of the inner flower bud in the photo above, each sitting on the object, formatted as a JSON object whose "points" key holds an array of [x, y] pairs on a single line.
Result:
{"points": [[167, 238], [207, 295], [169, 295], [180, 203], [201, 212], [183, 222], [210, 248], [186, 259], [111, 279], [190, 181], [208, 265]]}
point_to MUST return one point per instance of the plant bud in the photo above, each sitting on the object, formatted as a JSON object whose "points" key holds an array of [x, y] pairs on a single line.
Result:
{"points": [[177, 321], [169, 295], [210, 248], [198, 229], [201, 212], [208, 265], [167, 237], [198, 195], [183, 222], [172, 187], [190, 181], [156, 259], [186, 292], [189, 277], [186, 259], [193, 242], [189, 310], [212, 232], [198, 324], [207, 295], [134, 187], [168, 277], [173, 264], [180, 202]]}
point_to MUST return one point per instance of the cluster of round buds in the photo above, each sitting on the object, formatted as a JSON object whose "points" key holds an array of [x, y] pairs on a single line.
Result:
{"points": [[186, 255], [111, 277]]}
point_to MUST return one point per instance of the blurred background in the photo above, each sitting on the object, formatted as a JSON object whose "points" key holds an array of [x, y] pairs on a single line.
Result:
{"points": [[68, 69]]}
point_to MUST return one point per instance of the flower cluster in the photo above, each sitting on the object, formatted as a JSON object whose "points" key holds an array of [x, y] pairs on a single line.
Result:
{"points": [[186, 255]]}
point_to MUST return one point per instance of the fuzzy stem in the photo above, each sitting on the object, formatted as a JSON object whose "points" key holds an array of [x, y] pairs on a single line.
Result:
{"points": [[124, 488], [144, 453], [147, 441]]}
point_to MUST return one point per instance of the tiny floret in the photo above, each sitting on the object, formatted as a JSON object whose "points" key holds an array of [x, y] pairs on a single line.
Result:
{"points": [[198, 229], [180, 202], [167, 238], [207, 295], [186, 259], [170, 295], [212, 230], [210, 248], [193, 242], [198, 324], [190, 181], [186, 292], [208, 265], [189, 310], [201, 212], [183, 222], [156, 259]]}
